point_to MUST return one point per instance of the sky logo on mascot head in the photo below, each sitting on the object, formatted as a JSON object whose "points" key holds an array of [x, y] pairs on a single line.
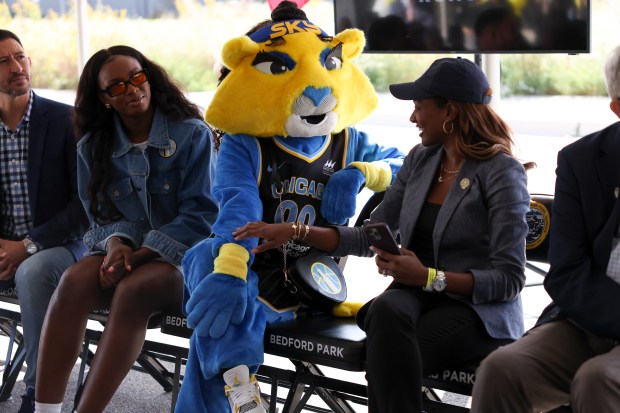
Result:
{"points": [[289, 78], [285, 28]]}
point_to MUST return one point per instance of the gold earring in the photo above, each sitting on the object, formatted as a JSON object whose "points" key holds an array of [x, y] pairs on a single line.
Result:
{"points": [[444, 127]]}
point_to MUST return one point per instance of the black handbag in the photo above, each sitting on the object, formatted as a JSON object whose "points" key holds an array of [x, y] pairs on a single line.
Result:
{"points": [[317, 281]]}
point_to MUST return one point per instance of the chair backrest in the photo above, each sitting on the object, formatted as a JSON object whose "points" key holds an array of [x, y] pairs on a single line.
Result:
{"points": [[374, 200], [539, 222]]}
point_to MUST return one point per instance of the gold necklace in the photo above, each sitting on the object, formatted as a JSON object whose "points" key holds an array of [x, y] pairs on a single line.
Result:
{"points": [[442, 170]]}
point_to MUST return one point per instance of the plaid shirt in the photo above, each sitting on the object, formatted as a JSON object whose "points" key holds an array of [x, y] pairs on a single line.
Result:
{"points": [[613, 266], [15, 216]]}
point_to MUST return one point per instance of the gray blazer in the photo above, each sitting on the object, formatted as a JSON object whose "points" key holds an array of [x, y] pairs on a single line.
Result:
{"points": [[480, 228]]}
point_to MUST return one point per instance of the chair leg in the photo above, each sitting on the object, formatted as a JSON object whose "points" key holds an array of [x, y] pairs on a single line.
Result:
{"points": [[14, 362], [157, 370], [176, 386], [86, 358]]}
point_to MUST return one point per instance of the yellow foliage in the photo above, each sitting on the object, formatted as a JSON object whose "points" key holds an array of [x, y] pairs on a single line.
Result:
{"points": [[5, 14], [26, 9]]}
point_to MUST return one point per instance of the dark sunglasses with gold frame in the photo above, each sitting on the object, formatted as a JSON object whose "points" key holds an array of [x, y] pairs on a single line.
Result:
{"points": [[119, 88]]}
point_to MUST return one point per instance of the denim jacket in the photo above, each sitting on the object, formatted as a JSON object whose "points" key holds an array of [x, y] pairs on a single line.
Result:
{"points": [[161, 192]]}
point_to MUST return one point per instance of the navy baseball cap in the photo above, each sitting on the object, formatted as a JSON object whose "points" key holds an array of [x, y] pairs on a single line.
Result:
{"points": [[450, 78]]}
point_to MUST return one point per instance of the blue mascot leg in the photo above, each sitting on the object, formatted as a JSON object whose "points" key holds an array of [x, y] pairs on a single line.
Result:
{"points": [[203, 387], [198, 395]]}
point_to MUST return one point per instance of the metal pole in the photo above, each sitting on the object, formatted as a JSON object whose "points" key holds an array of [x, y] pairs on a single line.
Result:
{"points": [[82, 35], [478, 60], [491, 67]]}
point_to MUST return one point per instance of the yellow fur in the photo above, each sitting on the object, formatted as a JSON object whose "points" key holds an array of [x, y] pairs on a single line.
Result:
{"points": [[232, 260], [378, 174], [346, 309]]}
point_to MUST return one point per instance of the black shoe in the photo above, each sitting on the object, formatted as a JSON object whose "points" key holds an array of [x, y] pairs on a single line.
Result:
{"points": [[27, 401]]}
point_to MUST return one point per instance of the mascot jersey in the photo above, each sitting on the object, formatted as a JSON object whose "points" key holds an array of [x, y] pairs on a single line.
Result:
{"points": [[295, 88], [291, 186]]}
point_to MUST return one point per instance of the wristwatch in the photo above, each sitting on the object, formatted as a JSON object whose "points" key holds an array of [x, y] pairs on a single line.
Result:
{"points": [[440, 281], [29, 245]]}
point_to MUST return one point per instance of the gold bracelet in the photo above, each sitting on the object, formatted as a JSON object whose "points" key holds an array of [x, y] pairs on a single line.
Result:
{"points": [[299, 227], [294, 225], [306, 231]]}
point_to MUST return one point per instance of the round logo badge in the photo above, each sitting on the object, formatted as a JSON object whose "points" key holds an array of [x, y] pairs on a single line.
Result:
{"points": [[168, 152], [539, 222], [325, 278], [464, 183]]}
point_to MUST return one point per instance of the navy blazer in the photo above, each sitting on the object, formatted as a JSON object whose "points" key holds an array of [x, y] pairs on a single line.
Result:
{"points": [[57, 213], [585, 218], [480, 228]]}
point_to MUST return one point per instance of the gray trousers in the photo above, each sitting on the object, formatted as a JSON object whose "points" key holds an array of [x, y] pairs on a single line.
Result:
{"points": [[36, 279], [551, 365]]}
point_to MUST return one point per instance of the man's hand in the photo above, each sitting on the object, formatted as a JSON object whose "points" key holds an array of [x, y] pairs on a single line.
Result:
{"points": [[12, 253]]}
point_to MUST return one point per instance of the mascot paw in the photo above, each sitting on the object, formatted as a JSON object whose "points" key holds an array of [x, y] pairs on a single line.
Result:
{"points": [[217, 301], [339, 198], [346, 309], [198, 261]]}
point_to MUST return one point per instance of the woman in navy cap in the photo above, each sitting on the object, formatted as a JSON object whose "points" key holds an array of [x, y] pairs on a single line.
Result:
{"points": [[459, 204]]}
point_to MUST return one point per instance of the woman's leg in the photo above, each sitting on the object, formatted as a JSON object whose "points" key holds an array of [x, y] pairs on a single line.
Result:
{"points": [[394, 364], [451, 333], [65, 323], [410, 331], [149, 288]]}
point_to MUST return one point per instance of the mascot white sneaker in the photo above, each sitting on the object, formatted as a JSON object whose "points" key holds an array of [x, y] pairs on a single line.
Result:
{"points": [[286, 105]]}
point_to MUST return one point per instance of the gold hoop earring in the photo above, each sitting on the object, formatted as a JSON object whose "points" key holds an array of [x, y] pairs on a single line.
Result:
{"points": [[107, 106], [443, 126]]}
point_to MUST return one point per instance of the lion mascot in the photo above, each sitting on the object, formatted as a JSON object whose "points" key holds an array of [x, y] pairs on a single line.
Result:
{"points": [[286, 104]]}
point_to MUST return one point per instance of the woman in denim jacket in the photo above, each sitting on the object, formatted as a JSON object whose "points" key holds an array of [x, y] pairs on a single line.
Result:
{"points": [[143, 178]]}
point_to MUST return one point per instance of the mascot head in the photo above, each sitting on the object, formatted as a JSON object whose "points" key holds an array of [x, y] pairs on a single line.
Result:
{"points": [[289, 78]]}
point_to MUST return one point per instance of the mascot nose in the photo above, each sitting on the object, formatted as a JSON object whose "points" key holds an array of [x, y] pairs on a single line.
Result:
{"points": [[317, 95]]}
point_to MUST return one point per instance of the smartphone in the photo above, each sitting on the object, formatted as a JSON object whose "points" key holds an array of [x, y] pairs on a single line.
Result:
{"points": [[381, 237]]}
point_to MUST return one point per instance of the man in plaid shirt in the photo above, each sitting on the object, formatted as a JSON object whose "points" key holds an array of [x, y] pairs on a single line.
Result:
{"points": [[41, 217]]}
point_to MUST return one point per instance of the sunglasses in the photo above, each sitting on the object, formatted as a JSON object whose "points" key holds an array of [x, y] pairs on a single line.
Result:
{"points": [[119, 88]]}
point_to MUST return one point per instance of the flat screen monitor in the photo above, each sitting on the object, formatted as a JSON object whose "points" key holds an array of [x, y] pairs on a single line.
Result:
{"points": [[469, 26]]}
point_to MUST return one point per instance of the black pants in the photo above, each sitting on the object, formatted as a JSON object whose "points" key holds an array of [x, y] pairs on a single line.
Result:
{"points": [[410, 332]]}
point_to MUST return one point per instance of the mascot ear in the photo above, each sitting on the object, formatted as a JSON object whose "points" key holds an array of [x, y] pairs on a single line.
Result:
{"points": [[274, 3], [236, 49], [353, 42]]}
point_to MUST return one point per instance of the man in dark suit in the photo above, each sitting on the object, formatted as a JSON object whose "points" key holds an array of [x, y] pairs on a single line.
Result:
{"points": [[572, 355], [41, 217]]}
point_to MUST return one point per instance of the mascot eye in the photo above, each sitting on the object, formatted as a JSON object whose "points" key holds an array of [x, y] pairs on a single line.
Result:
{"points": [[333, 59], [271, 68], [271, 64], [333, 63]]}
